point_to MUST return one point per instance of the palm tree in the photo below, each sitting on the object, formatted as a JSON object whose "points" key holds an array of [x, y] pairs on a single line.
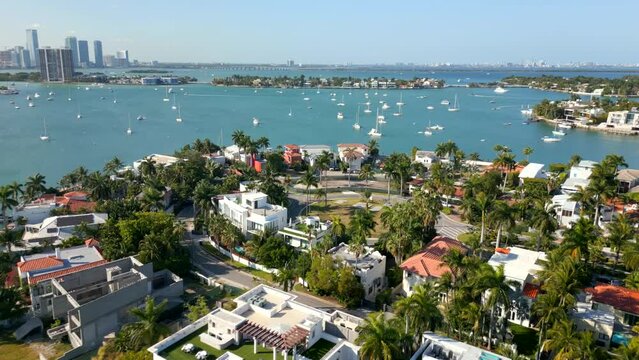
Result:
{"points": [[420, 309], [113, 165], [202, 197], [620, 232], [501, 215], [446, 150], [9, 239], [373, 149], [362, 224], [528, 151], [148, 330], [338, 229], [505, 161], [566, 341], [16, 190], [474, 156], [98, 186], [7, 202], [239, 138], [322, 163], [152, 199], [350, 154], [366, 173], [309, 180], [600, 190], [285, 277], [322, 194], [379, 340], [579, 238], [574, 160], [544, 222], [548, 311], [483, 203], [34, 187]]}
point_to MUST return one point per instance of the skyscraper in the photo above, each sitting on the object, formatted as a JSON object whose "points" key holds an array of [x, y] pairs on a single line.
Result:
{"points": [[83, 49], [122, 58], [56, 65], [33, 46], [97, 52], [24, 60], [71, 42]]}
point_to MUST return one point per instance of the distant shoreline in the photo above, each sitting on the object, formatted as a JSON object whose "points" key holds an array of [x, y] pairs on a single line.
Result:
{"points": [[576, 125]]}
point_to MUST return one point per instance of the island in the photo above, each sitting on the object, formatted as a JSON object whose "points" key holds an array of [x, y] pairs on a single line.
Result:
{"points": [[332, 82], [627, 86]]}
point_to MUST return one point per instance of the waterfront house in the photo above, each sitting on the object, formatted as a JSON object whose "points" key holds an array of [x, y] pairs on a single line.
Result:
{"points": [[428, 264], [434, 346], [628, 180], [521, 266], [216, 158], [292, 155], [266, 321], [250, 212], [623, 120], [578, 177], [53, 230], [532, 171], [311, 152], [157, 159], [600, 323], [567, 211], [369, 267], [95, 302], [37, 270], [426, 158], [304, 232], [353, 155]]}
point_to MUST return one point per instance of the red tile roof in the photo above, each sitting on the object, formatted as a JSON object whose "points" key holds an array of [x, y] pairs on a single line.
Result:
{"points": [[67, 271], [91, 242], [79, 205], [76, 194], [619, 297], [428, 262], [39, 264], [531, 290]]}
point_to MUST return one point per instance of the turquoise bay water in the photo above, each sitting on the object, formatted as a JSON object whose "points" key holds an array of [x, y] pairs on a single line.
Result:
{"points": [[208, 110]]}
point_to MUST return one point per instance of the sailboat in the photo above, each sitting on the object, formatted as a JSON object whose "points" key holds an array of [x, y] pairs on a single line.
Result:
{"points": [[375, 131], [174, 107], [128, 130], [115, 100], [455, 106], [399, 109], [340, 116], [356, 126], [380, 118], [400, 102], [44, 136], [179, 117], [166, 96], [368, 108], [341, 103], [256, 121], [385, 106], [318, 89], [69, 94], [557, 132], [290, 111]]}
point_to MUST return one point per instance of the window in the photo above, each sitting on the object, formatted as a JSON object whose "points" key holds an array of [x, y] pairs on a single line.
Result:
{"points": [[603, 337], [567, 213]]}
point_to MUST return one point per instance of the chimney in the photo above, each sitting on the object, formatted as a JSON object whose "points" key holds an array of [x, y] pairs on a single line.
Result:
{"points": [[58, 253]]}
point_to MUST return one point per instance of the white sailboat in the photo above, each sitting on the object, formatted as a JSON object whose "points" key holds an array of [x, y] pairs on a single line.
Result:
{"points": [[290, 111], [356, 126], [31, 104], [455, 106], [173, 107], [368, 108], [256, 121], [380, 118], [36, 95], [400, 102], [399, 109], [375, 131], [115, 100], [557, 132], [341, 103], [166, 96], [318, 87], [128, 130], [340, 116], [385, 106], [44, 136], [179, 117]]}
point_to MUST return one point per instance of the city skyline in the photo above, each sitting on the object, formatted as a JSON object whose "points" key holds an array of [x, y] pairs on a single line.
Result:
{"points": [[380, 32]]}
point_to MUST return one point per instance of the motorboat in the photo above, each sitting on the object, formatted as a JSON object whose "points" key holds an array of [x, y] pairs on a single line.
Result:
{"points": [[256, 121], [500, 90], [430, 107], [550, 139], [558, 132], [307, 99], [36, 95], [445, 102], [340, 116], [565, 126], [141, 117]]}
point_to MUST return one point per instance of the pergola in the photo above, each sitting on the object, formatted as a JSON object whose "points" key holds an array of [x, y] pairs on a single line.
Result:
{"points": [[282, 342]]}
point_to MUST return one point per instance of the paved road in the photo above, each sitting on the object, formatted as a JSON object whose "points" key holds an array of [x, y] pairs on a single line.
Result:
{"points": [[451, 228]]}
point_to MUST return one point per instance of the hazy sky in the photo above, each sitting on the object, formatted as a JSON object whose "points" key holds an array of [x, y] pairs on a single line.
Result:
{"points": [[337, 31]]}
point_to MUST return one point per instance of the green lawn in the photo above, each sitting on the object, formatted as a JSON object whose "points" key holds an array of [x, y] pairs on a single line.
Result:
{"points": [[245, 351], [11, 349], [319, 349], [525, 338]]}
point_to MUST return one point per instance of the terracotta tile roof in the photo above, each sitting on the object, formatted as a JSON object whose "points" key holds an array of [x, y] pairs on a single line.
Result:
{"points": [[67, 271], [357, 146], [76, 194], [619, 297], [531, 290], [79, 205], [39, 264], [91, 242], [428, 262]]}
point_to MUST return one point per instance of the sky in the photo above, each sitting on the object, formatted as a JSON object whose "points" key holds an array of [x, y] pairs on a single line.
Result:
{"points": [[337, 31]]}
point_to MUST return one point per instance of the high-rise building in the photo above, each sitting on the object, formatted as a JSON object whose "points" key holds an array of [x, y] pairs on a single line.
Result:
{"points": [[24, 61], [97, 52], [33, 46], [290, 63], [71, 42], [122, 58], [56, 65], [83, 50], [109, 60], [7, 58]]}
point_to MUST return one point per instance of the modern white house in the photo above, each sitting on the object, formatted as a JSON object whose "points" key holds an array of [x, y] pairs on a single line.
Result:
{"points": [[250, 212], [157, 159], [428, 264], [624, 120], [311, 152], [532, 171], [95, 301], [304, 232], [566, 210], [521, 266], [599, 322], [578, 177], [628, 180], [435, 347], [369, 266], [426, 158], [37, 270], [269, 322], [353, 155], [53, 230]]}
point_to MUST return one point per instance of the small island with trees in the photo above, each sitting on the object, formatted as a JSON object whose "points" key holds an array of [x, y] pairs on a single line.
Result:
{"points": [[332, 82]]}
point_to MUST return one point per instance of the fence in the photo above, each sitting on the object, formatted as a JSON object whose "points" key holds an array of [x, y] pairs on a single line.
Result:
{"points": [[242, 260]]}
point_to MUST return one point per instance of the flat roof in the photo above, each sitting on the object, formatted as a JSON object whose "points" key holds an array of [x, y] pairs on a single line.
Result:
{"points": [[518, 262], [367, 260], [531, 171], [440, 344]]}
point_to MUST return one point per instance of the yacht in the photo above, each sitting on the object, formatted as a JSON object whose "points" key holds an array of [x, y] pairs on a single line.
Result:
{"points": [[51, 93], [44, 136], [565, 126], [550, 139], [36, 95], [307, 99], [356, 126], [290, 111], [340, 116], [28, 97], [428, 132], [173, 107], [31, 104], [166, 95], [527, 112], [430, 107], [455, 106], [17, 107], [385, 106], [368, 108], [256, 121], [179, 117], [435, 127], [141, 117], [170, 91], [49, 99], [500, 90], [375, 131], [445, 102], [381, 119]]}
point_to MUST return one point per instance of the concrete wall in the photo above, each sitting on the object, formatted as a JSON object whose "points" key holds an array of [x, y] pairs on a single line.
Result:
{"points": [[242, 260]]}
